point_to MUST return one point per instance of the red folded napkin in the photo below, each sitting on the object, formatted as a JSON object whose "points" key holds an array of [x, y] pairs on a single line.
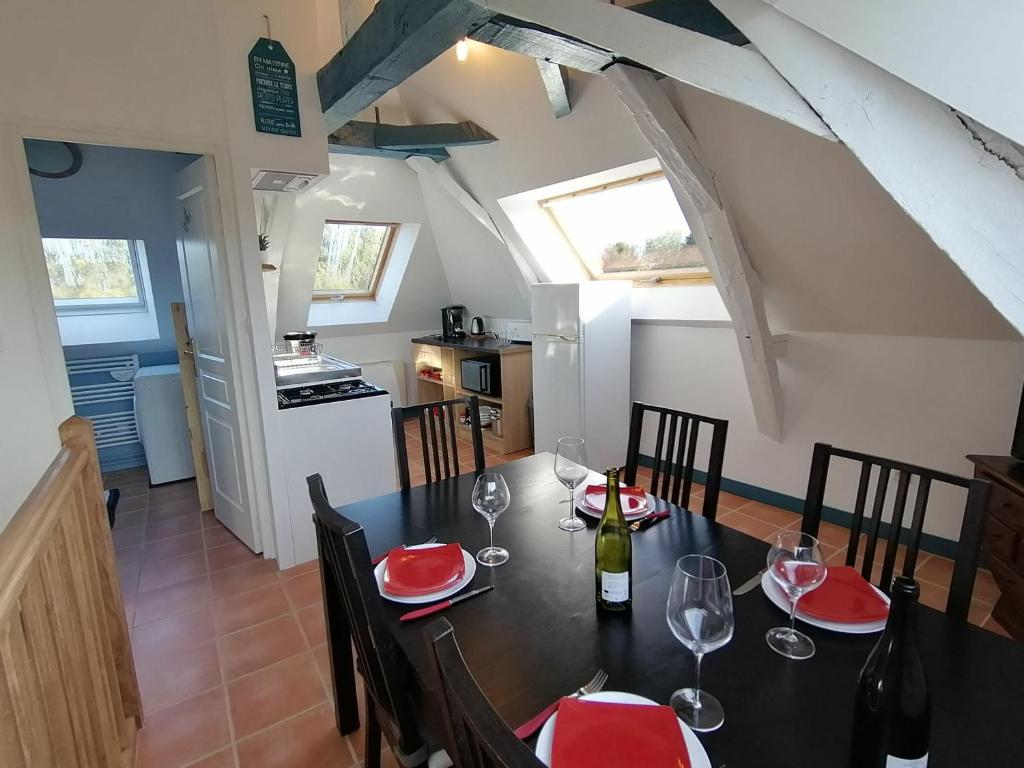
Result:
{"points": [[412, 572], [633, 497], [845, 597], [592, 734]]}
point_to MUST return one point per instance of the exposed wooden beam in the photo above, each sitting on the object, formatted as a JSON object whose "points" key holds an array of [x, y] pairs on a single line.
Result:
{"points": [[431, 136], [556, 83], [715, 233], [535, 41], [438, 177], [962, 189], [739, 74], [697, 15], [357, 137], [398, 38]]}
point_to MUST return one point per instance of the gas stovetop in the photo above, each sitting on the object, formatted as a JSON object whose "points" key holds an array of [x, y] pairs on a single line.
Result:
{"points": [[351, 389]]}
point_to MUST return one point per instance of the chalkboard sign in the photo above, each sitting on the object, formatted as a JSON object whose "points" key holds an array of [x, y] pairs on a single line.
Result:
{"points": [[275, 99]]}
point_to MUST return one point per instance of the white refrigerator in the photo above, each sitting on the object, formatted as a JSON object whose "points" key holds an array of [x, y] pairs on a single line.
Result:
{"points": [[581, 340]]}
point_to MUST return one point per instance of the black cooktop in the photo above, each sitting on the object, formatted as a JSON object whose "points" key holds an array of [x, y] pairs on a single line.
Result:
{"points": [[313, 394]]}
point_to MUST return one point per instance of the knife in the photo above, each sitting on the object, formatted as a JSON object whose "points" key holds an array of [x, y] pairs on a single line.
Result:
{"points": [[419, 613], [750, 583]]}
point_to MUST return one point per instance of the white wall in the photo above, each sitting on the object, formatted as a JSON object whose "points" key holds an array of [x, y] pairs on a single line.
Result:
{"points": [[150, 75], [915, 399]]}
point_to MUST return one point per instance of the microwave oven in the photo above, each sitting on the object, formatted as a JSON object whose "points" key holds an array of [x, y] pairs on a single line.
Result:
{"points": [[482, 375]]}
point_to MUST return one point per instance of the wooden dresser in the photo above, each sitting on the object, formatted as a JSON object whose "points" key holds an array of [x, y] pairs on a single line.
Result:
{"points": [[1004, 536]]}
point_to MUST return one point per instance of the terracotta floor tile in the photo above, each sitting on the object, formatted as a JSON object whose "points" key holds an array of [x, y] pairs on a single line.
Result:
{"points": [[276, 693], [937, 570], [128, 575], [229, 555], [994, 626], [978, 613], [174, 633], [323, 664], [217, 536], [174, 526], [174, 676], [133, 504], [174, 570], [210, 519], [130, 519], [170, 601], [304, 590], [181, 734], [173, 492], [130, 554], [174, 546], [129, 537], [933, 595], [307, 741], [172, 509], [133, 490], [298, 570], [836, 536], [985, 587], [240, 611], [313, 623], [731, 501], [260, 646], [223, 759], [780, 518], [244, 578]]}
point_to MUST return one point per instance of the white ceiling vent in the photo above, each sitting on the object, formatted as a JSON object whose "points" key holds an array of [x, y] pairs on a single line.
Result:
{"points": [[282, 181]]}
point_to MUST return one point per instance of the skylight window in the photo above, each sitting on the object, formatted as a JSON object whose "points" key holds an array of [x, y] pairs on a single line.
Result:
{"points": [[629, 229], [94, 275], [353, 256]]}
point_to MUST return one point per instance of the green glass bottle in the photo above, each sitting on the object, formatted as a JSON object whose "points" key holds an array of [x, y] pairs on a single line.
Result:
{"points": [[613, 552]]}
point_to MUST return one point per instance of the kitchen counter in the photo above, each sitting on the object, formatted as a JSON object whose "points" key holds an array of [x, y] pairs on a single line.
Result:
{"points": [[488, 344]]}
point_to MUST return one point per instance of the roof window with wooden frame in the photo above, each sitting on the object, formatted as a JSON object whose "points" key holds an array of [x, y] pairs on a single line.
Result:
{"points": [[353, 257], [629, 229]]}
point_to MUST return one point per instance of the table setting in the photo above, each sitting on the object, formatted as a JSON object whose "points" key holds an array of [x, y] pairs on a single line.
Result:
{"points": [[547, 639]]}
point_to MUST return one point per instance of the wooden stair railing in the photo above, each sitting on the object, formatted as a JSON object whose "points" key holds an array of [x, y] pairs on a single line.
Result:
{"points": [[68, 690]]}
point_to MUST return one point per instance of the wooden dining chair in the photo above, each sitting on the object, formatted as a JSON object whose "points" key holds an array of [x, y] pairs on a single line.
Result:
{"points": [[386, 679], [965, 566], [675, 455], [438, 432], [477, 736]]}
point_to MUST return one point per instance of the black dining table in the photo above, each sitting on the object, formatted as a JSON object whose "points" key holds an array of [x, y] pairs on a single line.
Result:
{"points": [[538, 634]]}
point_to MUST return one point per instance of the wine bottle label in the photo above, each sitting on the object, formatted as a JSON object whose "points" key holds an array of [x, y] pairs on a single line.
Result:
{"points": [[902, 762], [614, 587]]}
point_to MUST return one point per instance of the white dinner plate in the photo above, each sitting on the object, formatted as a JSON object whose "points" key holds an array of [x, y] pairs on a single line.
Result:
{"points": [[581, 505], [778, 597], [698, 757], [470, 561]]}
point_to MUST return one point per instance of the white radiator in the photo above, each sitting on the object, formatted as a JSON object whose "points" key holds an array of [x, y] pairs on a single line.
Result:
{"points": [[113, 427]]}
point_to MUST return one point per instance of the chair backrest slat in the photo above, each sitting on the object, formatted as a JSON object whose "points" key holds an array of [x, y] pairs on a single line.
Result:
{"points": [[477, 736], [965, 565], [674, 458], [439, 439]]}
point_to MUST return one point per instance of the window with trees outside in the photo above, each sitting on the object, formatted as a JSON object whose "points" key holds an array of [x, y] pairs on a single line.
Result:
{"points": [[94, 275], [629, 229], [353, 256]]}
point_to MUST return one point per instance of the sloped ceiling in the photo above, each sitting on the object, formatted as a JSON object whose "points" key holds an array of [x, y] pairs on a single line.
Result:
{"points": [[835, 253]]}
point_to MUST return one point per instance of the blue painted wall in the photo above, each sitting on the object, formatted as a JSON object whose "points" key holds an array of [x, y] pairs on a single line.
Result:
{"points": [[122, 193]]}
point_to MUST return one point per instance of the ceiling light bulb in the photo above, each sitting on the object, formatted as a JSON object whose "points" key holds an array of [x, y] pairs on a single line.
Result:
{"points": [[462, 49]]}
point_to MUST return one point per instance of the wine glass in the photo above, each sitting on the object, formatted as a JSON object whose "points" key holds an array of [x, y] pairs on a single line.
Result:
{"points": [[699, 613], [798, 566], [490, 498], [571, 469]]}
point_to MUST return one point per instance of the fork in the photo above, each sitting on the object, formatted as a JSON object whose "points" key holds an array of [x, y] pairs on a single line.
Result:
{"points": [[531, 726], [380, 558]]}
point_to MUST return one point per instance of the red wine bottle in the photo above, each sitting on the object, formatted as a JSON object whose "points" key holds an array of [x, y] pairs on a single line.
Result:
{"points": [[893, 712]]}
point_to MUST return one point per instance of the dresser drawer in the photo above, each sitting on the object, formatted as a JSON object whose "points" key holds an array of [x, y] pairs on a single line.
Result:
{"points": [[1000, 541], [1008, 507], [1010, 581]]}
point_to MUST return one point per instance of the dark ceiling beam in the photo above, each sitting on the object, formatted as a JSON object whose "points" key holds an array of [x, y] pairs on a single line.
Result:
{"points": [[358, 138], [696, 15], [556, 83], [433, 136], [540, 43], [397, 39]]}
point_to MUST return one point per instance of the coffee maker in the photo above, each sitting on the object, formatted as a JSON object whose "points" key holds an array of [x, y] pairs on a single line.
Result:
{"points": [[453, 322]]}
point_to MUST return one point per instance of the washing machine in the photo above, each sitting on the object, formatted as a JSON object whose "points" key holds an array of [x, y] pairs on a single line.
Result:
{"points": [[163, 428]]}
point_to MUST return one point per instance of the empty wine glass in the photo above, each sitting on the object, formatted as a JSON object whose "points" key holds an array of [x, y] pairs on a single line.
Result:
{"points": [[699, 613], [490, 498], [798, 566], [571, 469]]}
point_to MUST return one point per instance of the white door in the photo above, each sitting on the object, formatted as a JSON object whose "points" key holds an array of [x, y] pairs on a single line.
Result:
{"points": [[203, 277]]}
